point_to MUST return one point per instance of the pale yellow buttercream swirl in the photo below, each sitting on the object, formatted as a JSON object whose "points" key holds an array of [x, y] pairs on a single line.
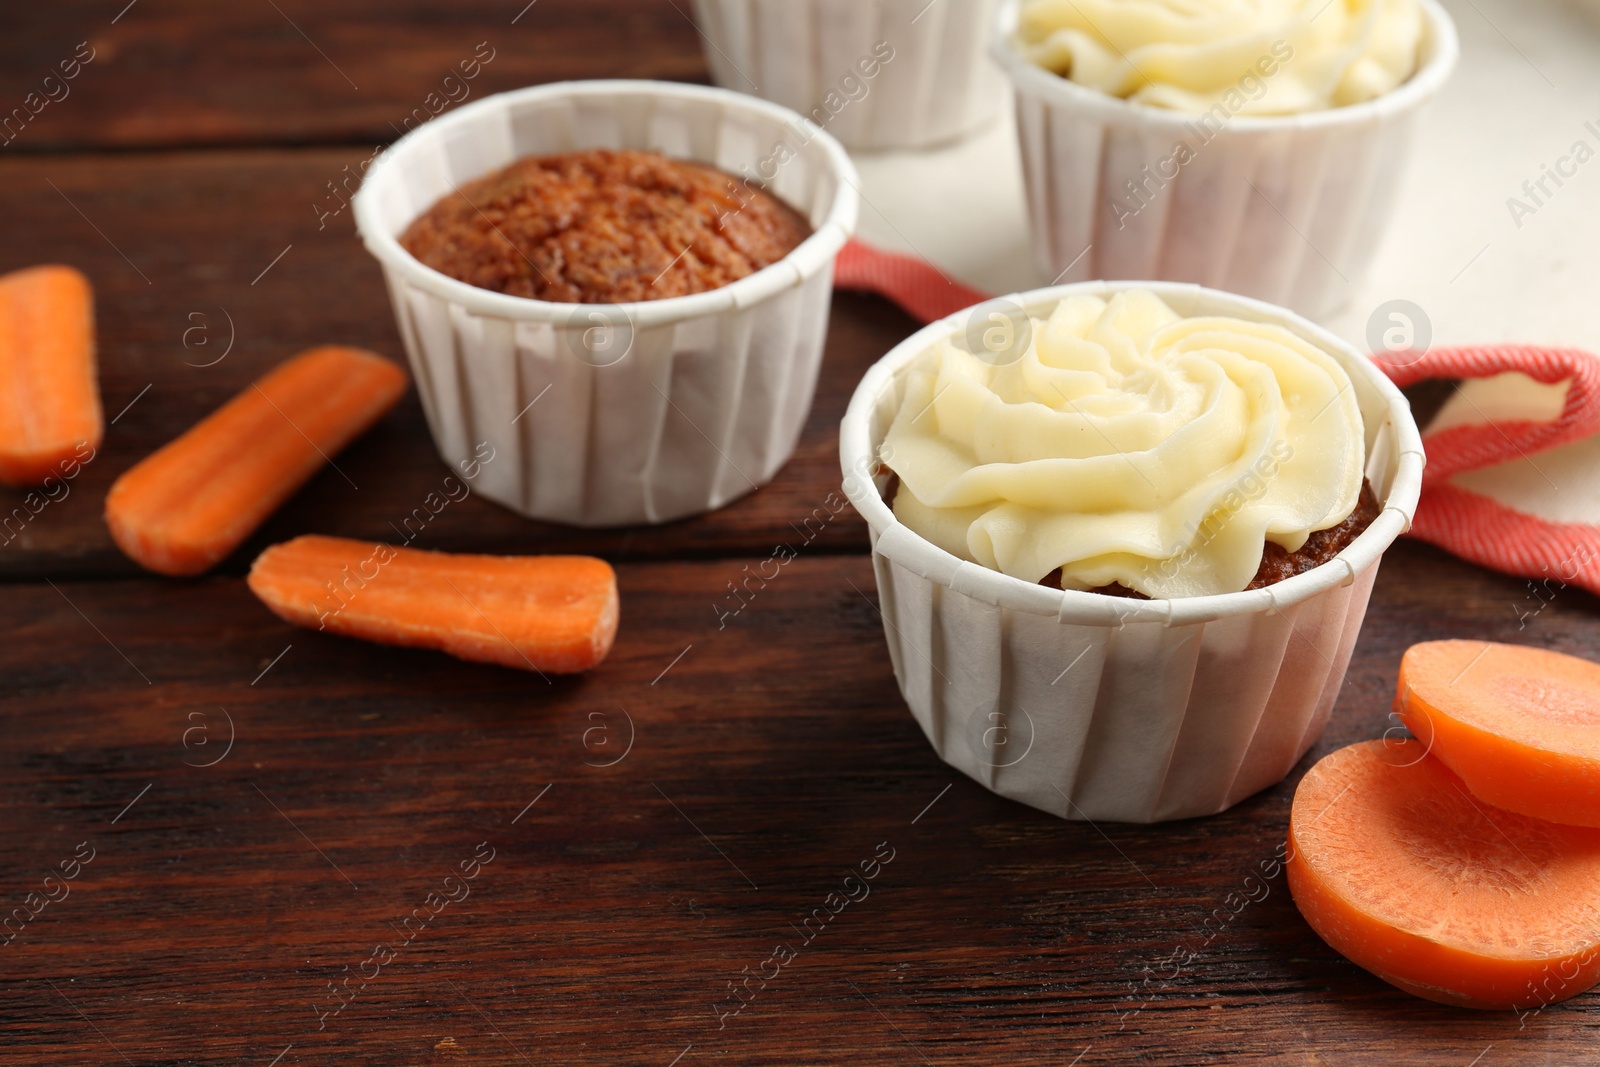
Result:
{"points": [[1251, 57], [1128, 445]]}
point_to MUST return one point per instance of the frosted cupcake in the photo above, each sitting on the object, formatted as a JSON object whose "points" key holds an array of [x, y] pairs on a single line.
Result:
{"points": [[1249, 146], [1132, 452], [1229, 471], [1285, 57]]}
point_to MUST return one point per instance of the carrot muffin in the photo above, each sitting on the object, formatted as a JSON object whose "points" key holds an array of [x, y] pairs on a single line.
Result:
{"points": [[1131, 451], [604, 227]]}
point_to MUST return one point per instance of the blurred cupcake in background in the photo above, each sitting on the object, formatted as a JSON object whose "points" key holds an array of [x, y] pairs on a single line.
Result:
{"points": [[1249, 147], [1278, 59], [877, 74]]}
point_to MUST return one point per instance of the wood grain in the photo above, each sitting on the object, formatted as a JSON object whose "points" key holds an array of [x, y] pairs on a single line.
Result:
{"points": [[766, 762], [176, 245], [176, 73], [211, 267], [192, 172]]}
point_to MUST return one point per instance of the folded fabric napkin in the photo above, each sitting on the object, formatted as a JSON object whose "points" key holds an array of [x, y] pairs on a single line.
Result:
{"points": [[1485, 498]]}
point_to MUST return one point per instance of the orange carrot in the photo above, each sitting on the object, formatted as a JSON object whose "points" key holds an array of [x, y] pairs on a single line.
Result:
{"points": [[1396, 866], [551, 614], [185, 507], [1519, 725], [49, 395]]}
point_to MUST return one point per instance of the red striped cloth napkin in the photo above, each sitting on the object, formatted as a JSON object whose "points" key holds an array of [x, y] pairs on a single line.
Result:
{"points": [[1468, 524]]}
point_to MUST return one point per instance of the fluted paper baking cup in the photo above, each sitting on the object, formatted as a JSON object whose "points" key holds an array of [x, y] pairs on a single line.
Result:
{"points": [[614, 414], [878, 74], [1284, 209], [1097, 707]]}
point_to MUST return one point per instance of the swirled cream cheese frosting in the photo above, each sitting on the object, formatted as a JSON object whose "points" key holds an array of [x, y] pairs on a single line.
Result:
{"points": [[1253, 57], [1127, 445]]}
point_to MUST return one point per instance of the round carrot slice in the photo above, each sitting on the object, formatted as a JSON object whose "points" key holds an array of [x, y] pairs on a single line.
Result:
{"points": [[1399, 868], [1519, 725]]}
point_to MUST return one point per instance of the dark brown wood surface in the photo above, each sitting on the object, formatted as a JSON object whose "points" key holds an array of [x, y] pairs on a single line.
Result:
{"points": [[697, 795], [176, 73]]}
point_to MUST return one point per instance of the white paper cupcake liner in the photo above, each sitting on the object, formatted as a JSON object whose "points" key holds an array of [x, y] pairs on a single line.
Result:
{"points": [[806, 55], [1097, 707], [1284, 209], [614, 414]]}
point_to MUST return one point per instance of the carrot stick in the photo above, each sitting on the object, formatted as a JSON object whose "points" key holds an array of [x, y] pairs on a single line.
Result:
{"points": [[1519, 725], [185, 507], [49, 395], [551, 614], [1395, 865]]}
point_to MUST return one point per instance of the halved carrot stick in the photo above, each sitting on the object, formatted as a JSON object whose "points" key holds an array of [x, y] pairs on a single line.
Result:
{"points": [[551, 614], [1519, 725], [1395, 864], [182, 509], [49, 394]]}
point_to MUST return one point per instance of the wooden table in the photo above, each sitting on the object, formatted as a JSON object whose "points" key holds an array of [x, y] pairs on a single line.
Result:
{"points": [[264, 805]]}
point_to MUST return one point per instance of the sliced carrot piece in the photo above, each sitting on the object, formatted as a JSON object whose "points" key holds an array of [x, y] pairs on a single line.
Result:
{"points": [[552, 614], [1519, 725], [1395, 864], [49, 394], [185, 507]]}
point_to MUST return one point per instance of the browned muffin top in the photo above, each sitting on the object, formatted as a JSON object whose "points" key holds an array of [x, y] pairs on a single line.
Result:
{"points": [[604, 227]]}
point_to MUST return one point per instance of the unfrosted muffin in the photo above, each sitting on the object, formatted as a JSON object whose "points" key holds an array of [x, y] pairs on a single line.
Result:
{"points": [[605, 227]]}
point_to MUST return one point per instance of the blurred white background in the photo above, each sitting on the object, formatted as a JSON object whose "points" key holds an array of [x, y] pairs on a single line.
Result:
{"points": [[1529, 80]]}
